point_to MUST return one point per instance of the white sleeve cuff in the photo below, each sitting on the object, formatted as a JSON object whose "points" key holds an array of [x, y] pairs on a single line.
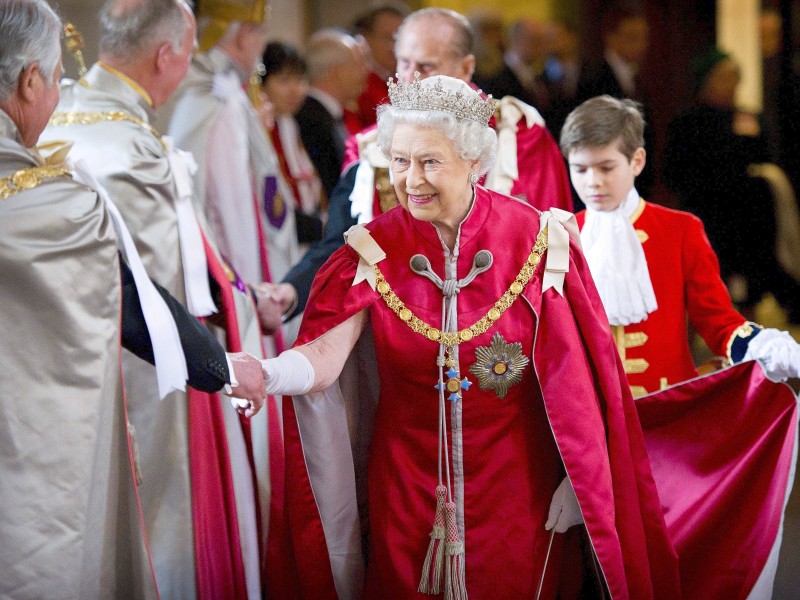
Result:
{"points": [[289, 374], [231, 375]]}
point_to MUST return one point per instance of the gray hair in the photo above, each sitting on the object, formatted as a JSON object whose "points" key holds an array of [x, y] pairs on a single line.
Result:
{"points": [[463, 38], [472, 140], [128, 29], [31, 32], [326, 49]]}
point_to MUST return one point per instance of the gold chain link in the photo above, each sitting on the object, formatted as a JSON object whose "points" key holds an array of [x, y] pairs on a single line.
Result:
{"points": [[26, 179], [63, 119], [453, 338]]}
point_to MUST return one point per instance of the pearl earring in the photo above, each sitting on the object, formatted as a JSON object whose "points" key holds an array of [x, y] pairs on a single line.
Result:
{"points": [[473, 178]]}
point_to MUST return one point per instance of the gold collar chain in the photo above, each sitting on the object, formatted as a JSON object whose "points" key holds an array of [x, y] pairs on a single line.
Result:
{"points": [[453, 338], [27, 179], [62, 119]]}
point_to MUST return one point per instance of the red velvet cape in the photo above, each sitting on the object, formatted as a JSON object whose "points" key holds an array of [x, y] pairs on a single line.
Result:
{"points": [[590, 410]]}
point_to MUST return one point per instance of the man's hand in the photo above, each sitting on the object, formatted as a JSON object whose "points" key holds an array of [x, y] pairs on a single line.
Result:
{"points": [[269, 309], [248, 396], [272, 297]]}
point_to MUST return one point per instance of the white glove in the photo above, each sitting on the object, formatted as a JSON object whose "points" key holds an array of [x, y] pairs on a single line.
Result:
{"points": [[290, 374], [564, 509], [776, 352]]}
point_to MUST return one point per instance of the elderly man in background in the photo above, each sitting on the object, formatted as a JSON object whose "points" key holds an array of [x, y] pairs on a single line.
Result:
{"points": [[145, 51], [337, 73], [71, 521], [434, 41]]}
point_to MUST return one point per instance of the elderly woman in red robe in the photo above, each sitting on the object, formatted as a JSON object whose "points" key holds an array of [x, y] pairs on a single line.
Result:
{"points": [[459, 423]]}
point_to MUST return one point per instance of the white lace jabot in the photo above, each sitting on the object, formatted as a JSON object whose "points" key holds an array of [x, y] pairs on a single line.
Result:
{"points": [[617, 263]]}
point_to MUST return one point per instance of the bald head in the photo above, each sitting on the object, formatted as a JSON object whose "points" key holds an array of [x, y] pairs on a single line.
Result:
{"points": [[336, 64], [435, 41]]}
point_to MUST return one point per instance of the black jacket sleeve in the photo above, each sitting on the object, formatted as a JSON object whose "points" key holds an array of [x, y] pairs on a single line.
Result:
{"points": [[301, 276], [205, 357]]}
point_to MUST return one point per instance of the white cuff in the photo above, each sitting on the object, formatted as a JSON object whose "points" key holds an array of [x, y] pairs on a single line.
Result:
{"points": [[228, 389], [289, 374]]}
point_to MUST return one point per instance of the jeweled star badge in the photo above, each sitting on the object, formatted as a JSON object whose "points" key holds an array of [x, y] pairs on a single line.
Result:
{"points": [[454, 384], [499, 365]]}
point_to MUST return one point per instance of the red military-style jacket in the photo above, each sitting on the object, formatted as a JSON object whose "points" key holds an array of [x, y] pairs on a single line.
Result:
{"points": [[684, 271]]}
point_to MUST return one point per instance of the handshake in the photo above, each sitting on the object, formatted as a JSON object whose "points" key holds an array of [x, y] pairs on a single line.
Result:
{"points": [[273, 301]]}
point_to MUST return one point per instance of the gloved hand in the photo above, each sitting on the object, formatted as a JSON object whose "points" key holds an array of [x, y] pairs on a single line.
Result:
{"points": [[776, 352], [564, 509]]}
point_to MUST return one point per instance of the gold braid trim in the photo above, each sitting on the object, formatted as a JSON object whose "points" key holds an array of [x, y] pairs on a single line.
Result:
{"points": [[62, 119], [27, 179], [453, 338]]}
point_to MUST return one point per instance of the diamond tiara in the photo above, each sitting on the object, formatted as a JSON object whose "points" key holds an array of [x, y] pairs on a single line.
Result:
{"points": [[422, 95]]}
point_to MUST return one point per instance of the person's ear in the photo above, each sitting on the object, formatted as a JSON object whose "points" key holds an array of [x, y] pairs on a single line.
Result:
{"points": [[467, 67], [30, 83], [638, 161], [162, 56]]}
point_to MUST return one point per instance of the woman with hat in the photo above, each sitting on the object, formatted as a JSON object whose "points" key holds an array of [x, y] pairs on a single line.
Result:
{"points": [[459, 404]]}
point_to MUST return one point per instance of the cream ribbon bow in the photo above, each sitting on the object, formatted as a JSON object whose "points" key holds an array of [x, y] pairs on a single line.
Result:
{"points": [[561, 226], [53, 154], [370, 253], [505, 171], [195, 265]]}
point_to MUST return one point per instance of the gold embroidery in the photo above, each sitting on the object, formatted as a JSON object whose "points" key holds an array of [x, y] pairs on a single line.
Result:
{"points": [[643, 237], [26, 179], [624, 341], [637, 391], [635, 365], [745, 330], [453, 338], [386, 196], [63, 119]]}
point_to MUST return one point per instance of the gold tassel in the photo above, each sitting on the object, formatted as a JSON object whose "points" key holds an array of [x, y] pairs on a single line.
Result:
{"points": [[431, 581], [455, 587]]}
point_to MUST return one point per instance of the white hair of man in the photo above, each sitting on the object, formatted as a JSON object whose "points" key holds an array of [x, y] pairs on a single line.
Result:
{"points": [[472, 140], [31, 33], [325, 49], [128, 29]]}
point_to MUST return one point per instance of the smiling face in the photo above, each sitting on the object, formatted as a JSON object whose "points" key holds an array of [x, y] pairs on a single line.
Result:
{"points": [[604, 176], [430, 178]]}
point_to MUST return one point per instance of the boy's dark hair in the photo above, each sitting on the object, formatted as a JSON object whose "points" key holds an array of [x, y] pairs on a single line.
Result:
{"points": [[280, 57], [602, 120]]}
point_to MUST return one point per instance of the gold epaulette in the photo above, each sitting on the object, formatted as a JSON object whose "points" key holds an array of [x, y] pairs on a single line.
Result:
{"points": [[27, 179], [62, 119]]}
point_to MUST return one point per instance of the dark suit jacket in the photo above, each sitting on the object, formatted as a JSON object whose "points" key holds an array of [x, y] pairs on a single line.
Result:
{"points": [[506, 83], [205, 358], [301, 276], [597, 80], [323, 138]]}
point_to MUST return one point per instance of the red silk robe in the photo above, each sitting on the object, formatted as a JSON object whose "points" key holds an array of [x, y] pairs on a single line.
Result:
{"points": [[570, 414], [686, 282]]}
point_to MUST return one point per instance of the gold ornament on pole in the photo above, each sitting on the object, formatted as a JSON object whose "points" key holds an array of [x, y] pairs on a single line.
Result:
{"points": [[75, 44]]}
